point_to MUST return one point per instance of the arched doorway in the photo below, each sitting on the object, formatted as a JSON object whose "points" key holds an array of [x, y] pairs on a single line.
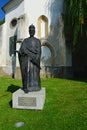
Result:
{"points": [[47, 56]]}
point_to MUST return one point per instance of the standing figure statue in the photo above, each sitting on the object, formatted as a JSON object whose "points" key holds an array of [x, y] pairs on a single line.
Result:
{"points": [[29, 58]]}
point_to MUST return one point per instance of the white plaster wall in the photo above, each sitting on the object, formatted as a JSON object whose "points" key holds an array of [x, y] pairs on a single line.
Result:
{"points": [[34, 9], [3, 46], [1, 33], [15, 12], [1, 30], [52, 9], [49, 8]]}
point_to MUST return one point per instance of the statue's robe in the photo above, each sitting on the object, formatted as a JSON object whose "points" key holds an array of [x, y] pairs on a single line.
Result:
{"points": [[29, 59]]}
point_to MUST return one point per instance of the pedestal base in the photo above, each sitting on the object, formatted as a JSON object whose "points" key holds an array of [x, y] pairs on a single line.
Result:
{"points": [[31, 100]]}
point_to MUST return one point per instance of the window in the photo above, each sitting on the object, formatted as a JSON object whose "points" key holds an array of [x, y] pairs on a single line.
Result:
{"points": [[13, 23], [42, 26]]}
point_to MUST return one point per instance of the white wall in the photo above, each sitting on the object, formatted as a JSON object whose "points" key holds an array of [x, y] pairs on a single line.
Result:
{"points": [[15, 12], [33, 9]]}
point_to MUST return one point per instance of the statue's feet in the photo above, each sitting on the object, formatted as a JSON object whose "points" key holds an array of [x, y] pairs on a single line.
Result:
{"points": [[32, 89], [25, 90]]}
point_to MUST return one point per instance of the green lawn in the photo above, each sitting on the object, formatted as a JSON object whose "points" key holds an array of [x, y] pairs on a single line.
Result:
{"points": [[65, 106]]}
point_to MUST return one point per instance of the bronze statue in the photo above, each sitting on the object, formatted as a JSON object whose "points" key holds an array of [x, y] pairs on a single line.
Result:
{"points": [[29, 58]]}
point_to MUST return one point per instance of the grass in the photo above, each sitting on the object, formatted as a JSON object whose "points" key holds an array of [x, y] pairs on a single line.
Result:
{"points": [[65, 106]]}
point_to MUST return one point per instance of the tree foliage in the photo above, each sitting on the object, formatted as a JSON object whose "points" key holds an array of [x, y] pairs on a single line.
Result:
{"points": [[76, 16], [2, 21], [76, 20]]}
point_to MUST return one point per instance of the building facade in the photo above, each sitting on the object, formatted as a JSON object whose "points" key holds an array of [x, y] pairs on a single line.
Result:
{"points": [[47, 17]]}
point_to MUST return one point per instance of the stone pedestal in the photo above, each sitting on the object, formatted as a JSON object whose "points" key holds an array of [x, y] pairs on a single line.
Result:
{"points": [[31, 100]]}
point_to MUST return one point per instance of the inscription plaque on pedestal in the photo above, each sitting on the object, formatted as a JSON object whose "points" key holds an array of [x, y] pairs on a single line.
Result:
{"points": [[27, 101]]}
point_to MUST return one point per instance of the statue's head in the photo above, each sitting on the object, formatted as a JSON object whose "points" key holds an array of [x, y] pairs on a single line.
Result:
{"points": [[31, 30]]}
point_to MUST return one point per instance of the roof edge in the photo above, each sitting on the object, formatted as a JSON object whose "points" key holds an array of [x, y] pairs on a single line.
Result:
{"points": [[6, 5]]}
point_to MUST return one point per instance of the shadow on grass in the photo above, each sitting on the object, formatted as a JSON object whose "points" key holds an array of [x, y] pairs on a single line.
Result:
{"points": [[12, 88], [10, 103], [75, 79], [79, 79]]}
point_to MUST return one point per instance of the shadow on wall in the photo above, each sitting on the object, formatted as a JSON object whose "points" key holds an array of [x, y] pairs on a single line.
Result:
{"points": [[55, 7], [57, 40], [56, 35]]}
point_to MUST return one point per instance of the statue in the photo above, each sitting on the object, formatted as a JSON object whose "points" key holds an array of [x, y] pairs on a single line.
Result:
{"points": [[29, 58]]}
